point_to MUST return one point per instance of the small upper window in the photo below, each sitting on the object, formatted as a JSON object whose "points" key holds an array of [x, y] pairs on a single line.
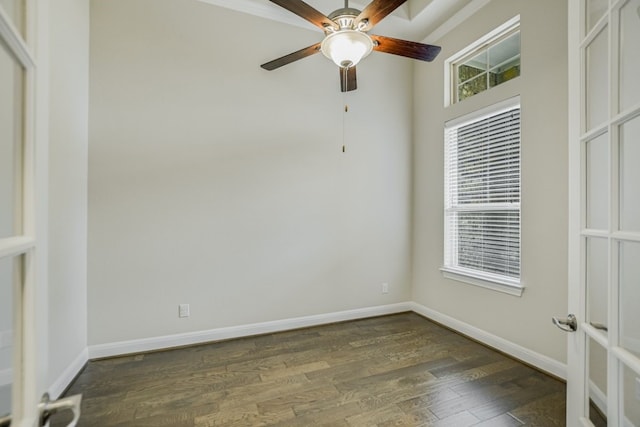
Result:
{"points": [[489, 62]]}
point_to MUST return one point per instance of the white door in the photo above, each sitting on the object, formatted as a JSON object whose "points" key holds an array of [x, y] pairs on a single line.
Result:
{"points": [[23, 159], [604, 253]]}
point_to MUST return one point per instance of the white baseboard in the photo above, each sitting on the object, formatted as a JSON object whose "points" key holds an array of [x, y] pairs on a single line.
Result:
{"points": [[190, 338], [598, 397], [533, 358], [62, 382]]}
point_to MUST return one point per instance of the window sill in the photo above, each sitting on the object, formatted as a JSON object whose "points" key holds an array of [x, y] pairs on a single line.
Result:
{"points": [[507, 287]]}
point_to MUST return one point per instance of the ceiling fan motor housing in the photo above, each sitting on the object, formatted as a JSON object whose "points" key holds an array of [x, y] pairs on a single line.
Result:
{"points": [[345, 18]]}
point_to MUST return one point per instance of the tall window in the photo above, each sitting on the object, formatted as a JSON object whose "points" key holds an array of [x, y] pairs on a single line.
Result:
{"points": [[482, 195]]}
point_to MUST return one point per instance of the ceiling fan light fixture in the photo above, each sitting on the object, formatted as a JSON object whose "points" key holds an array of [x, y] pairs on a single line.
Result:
{"points": [[346, 47]]}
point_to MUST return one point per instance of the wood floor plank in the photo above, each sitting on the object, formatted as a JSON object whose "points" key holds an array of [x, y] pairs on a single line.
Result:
{"points": [[398, 370], [461, 419]]}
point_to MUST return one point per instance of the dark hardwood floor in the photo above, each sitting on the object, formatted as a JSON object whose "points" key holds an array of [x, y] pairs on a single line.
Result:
{"points": [[400, 370]]}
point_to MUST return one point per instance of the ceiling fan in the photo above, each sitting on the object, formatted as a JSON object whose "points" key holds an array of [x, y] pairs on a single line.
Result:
{"points": [[346, 39]]}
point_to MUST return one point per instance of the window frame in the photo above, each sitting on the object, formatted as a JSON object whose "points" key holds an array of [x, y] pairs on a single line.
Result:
{"points": [[498, 282], [482, 44]]}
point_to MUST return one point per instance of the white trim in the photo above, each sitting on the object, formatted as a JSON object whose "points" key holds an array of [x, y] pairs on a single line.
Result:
{"points": [[626, 357], [230, 332], [598, 397], [10, 34], [263, 10], [270, 11], [508, 26], [483, 42], [630, 343], [498, 284], [454, 22], [523, 354], [67, 376], [540, 361], [485, 112], [13, 246]]}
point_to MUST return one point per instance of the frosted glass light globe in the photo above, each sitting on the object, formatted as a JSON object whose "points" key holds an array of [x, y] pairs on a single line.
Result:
{"points": [[346, 47]]}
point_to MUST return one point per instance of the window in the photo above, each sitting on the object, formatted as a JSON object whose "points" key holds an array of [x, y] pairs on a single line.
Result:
{"points": [[487, 63], [482, 197]]}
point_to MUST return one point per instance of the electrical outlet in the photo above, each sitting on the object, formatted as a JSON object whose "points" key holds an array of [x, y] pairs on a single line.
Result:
{"points": [[637, 388], [183, 310], [385, 288]]}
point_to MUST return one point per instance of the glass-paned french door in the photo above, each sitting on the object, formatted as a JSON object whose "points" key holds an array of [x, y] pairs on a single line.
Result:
{"points": [[18, 218], [604, 355]]}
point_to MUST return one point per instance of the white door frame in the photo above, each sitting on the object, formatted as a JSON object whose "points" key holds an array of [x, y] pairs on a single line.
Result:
{"points": [[576, 381]]}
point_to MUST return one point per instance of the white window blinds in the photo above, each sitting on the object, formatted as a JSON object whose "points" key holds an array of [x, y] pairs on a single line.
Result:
{"points": [[482, 195]]}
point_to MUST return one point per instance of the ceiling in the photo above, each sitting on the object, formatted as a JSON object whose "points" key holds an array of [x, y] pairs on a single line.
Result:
{"points": [[414, 20]]}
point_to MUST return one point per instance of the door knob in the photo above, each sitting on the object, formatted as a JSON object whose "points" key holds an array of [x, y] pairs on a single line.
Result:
{"points": [[47, 408], [570, 324]]}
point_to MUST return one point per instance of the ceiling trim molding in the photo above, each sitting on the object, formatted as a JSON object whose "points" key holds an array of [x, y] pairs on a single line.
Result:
{"points": [[411, 20], [457, 19], [264, 9]]}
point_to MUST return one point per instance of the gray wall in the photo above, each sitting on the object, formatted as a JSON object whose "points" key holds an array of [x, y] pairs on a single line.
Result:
{"points": [[215, 183], [68, 148], [522, 320]]}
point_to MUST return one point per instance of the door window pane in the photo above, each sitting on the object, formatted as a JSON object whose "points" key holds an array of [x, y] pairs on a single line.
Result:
{"points": [[597, 169], [595, 10], [630, 296], [598, 80], [597, 383], [15, 10], [8, 272], [630, 175], [597, 290], [629, 58], [11, 84], [631, 397]]}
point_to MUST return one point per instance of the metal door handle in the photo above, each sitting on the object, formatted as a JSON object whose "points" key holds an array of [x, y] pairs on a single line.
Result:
{"points": [[599, 326], [47, 408], [570, 324]]}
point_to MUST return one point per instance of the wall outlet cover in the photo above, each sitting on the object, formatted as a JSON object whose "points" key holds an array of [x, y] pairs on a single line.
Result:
{"points": [[183, 310], [385, 288]]}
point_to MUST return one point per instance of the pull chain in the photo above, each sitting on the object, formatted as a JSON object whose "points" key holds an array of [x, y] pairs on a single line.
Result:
{"points": [[344, 120]]}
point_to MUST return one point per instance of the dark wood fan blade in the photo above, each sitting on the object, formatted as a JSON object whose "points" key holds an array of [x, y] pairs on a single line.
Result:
{"points": [[307, 12], [348, 81], [376, 11], [288, 59], [414, 50]]}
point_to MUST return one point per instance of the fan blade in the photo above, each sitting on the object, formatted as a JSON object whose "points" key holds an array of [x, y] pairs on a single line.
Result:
{"points": [[307, 12], [376, 11], [348, 81], [288, 59], [414, 50]]}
